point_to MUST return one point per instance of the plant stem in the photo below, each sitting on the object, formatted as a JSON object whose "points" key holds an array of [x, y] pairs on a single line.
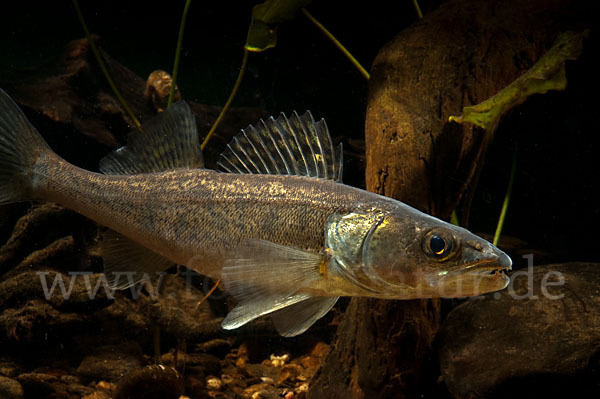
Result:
{"points": [[111, 83], [156, 343], [337, 43], [229, 100], [417, 8], [208, 294], [454, 218], [178, 52], [511, 180]]}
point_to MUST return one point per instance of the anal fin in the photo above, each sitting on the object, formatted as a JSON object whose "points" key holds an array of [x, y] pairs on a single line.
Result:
{"points": [[297, 318], [127, 263], [265, 277]]}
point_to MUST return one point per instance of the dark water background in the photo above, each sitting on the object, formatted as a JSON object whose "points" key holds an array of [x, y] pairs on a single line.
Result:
{"points": [[555, 200]]}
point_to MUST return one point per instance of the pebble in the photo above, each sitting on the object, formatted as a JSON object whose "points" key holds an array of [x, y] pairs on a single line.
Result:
{"points": [[278, 361], [213, 383], [302, 388], [267, 380]]}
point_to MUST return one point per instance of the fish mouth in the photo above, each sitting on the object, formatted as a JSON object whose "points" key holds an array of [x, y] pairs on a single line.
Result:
{"points": [[496, 267], [501, 265], [477, 277]]}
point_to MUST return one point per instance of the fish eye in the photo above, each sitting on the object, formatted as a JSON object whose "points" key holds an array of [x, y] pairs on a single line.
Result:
{"points": [[439, 245]]}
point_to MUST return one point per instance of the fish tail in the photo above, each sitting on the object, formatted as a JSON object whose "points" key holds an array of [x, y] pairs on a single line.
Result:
{"points": [[21, 146]]}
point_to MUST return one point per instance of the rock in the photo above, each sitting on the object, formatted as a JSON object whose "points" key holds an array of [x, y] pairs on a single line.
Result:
{"points": [[204, 362], [111, 362], [151, 382], [10, 389], [538, 338], [218, 347], [37, 384], [9, 368], [97, 395]]}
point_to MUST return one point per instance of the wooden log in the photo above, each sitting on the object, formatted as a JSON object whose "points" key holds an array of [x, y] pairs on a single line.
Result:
{"points": [[458, 55]]}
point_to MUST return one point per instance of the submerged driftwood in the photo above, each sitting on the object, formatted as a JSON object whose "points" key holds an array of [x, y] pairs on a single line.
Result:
{"points": [[461, 54], [73, 107]]}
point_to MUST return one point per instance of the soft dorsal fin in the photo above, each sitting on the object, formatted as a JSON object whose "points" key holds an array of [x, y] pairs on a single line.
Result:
{"points": [[168, 141], [285, 146]]}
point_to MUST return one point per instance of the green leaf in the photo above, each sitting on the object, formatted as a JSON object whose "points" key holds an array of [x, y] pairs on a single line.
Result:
{"points": [[547, 74], [262, 33]]}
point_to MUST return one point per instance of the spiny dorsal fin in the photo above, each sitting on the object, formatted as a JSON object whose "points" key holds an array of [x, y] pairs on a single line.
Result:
{"points": [[285, 146], [168, 141]]}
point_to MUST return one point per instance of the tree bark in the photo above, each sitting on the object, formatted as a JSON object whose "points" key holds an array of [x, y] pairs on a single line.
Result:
{"points": [[460, 54]]}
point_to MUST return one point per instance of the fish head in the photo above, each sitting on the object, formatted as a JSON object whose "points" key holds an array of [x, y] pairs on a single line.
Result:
{"points": [[409, 254]]}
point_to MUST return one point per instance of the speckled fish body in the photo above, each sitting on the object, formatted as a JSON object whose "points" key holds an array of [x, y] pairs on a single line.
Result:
{"points": [[196, 217], [279, 228]]}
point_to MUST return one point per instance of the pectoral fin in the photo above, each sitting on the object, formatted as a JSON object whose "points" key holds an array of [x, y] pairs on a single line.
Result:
{"points": [[126, 262], [297, 318], [265, 277]]}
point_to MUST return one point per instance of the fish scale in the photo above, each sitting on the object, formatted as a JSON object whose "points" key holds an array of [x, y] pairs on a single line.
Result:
{"points": [[185, 214]]}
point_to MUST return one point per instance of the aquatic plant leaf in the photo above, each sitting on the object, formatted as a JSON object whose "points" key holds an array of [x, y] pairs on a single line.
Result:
{"points": [[262, 33], [547, 74]]}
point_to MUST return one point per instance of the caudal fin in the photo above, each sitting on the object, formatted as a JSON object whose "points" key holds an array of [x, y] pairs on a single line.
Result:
{"points": [[20, 147]]}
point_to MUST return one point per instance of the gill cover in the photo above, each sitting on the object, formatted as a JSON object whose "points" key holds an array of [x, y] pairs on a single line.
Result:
{"points": [[348, 237]]}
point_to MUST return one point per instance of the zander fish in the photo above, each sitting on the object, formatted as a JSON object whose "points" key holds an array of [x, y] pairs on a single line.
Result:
{"points": [[280, 230]]}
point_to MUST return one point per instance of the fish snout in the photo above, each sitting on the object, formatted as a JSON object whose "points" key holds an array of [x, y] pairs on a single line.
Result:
{"points": [[482, 253], [503, 261]]}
